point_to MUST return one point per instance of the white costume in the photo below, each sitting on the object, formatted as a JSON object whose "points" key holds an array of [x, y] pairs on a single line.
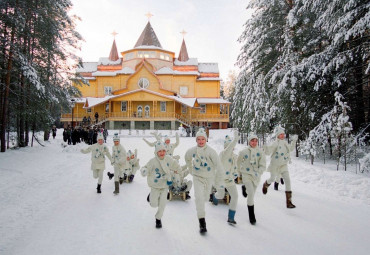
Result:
{"points": [[280, 156], [132, 164], [230, 172], [170, 147], [158, 172], [180, 184], [206, 168], [251, 165], [98, 153], [118, 160]]}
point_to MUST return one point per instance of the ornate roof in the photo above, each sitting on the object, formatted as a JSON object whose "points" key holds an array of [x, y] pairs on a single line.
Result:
{"points": [[183, 56], [113, 56], [148, 37]]}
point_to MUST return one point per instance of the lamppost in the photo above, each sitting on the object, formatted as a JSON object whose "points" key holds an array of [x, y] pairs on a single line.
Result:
{"points": [[73, 106]]}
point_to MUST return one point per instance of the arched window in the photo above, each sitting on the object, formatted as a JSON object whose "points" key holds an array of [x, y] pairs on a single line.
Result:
{"points": [[140, 111], [147, 111]]}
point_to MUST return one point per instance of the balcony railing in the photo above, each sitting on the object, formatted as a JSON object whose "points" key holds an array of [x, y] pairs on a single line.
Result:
{"points": [[126, 116]]}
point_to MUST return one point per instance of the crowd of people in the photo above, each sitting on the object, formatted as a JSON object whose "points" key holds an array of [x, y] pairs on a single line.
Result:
{"points": [[213, 174], [74, 135]]}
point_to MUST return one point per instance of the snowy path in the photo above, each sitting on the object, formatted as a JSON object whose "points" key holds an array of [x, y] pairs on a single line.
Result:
{"points": [[49, 205]]}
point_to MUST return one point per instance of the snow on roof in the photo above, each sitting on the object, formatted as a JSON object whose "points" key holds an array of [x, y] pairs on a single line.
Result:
{"points": [[107, 61], [164, 70], [209, 79], [86, 78], [125, 70], [92, 101], [167, 70], [190, 62], [189, 101], [100, 73], [87, 67], [150, 47], [79, 99], [186, 73], [208, 68], [212, 101]]}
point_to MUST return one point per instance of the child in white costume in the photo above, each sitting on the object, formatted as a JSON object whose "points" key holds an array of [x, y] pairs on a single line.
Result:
{"points": [[98, 153], [132, 165], [206, 168], [280, 156], [230, 173], [180, 183], [158, 172], [251, 165], [170, 147], [118, 162]]}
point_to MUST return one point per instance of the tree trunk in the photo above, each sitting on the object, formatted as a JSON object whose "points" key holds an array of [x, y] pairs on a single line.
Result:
{"points": [[6, 94]]}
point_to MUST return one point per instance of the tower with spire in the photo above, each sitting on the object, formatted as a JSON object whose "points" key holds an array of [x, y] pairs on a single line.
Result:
{"points": [[148, 87]]}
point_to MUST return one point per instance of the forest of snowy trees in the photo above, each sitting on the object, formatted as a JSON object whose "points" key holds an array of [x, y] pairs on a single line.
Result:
{"points": [[305, 66], [37, 60]]}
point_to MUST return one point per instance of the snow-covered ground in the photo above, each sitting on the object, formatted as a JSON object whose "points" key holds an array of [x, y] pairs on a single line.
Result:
{"points": [[49, 205]]}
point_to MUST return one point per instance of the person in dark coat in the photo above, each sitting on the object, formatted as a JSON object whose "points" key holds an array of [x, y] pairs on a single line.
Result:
{"points": [[54, 131], [90, 136], [96, 117], [65, 136]]}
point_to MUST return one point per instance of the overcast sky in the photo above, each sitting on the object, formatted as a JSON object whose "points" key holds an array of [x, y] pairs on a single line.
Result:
{"points": [[213, 27]]}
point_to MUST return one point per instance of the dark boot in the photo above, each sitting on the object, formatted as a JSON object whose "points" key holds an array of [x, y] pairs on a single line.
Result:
{"points": [[265, 187], [276, 186], [120, 180], [282, 181], [231, 216], [289, 203], [98, 188], [110, 175], [252, 218], [116, 188], [131, 178], [124, 177], [244, 191], [210, 198], [158, 223], [202, 225], [187, 195], [148, 198]]}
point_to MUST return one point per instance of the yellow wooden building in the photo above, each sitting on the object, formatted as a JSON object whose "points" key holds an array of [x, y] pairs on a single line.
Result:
{"points": [[147, 87]]}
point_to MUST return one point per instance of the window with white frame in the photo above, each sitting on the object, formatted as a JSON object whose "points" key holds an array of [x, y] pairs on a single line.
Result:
{"points": [[129, 56], [223, 109], [123, 106], [143, 83], [165, 56], [146, 54], [163, 106], [88, 110], [184, 109], [106, 107], [202, 108], [183, 90], [108, 90]]}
